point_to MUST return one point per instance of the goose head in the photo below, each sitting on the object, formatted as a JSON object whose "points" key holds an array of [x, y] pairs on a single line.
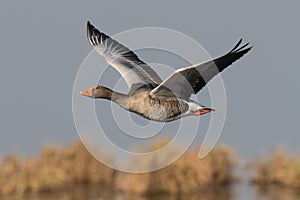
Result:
{"points": [[97, 91], [197, 109]]}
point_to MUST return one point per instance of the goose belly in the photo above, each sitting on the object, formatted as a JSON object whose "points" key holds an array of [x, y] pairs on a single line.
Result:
{"points": [[155, 109], [157, 112]]}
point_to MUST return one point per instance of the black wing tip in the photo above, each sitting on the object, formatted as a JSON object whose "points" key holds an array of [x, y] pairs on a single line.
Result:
{"points": [[89, 27], [93, 34], [89, 31], [238, 48]]}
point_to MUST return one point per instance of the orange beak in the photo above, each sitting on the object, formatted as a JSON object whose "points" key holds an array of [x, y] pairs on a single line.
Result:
{"points": [[203, 111], [88, 92]]}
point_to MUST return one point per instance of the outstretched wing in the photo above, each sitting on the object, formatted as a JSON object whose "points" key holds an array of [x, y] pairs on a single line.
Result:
{"points": [[190, 80], [131, 68]]}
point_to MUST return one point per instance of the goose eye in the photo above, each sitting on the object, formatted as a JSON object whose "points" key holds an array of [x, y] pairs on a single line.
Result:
{"points": [[96, 87]]}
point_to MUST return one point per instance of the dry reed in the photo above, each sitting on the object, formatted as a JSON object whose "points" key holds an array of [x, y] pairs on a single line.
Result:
{"points": [[187, 175], [60, 169], [278, 169], [56, 169]]}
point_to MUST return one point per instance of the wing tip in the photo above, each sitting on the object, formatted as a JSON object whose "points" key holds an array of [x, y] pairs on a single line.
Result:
{"points": [[89, 31], [94, 36], [238, 48]]}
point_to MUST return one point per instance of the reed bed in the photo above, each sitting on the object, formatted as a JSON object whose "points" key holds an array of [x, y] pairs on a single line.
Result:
{"points": [[58, 169], [187, 175], [279, 169]]}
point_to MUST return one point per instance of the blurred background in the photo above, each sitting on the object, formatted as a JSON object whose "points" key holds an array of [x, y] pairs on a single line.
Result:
{"points": [[44, 43]]}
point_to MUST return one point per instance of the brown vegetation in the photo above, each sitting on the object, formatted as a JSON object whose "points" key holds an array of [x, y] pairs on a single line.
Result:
{"points": [[61, 169], [188, 174], [56, 169], [278, 169]]}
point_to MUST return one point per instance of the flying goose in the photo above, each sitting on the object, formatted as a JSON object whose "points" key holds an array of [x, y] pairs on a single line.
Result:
{"points": [[149, 96]]}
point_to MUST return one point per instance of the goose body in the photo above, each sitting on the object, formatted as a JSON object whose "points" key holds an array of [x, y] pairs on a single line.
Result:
{"points": [[149, 96]]}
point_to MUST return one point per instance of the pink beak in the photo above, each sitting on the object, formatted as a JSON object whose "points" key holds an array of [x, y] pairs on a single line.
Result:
{"points": [[87, 92], [203, 111]]}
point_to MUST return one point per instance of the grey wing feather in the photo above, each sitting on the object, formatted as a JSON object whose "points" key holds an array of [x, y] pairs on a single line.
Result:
{"points": [[190, 80], [132, 69]]}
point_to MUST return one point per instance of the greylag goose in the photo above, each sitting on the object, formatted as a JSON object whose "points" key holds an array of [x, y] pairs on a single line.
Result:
{"points": [[149, 96]]}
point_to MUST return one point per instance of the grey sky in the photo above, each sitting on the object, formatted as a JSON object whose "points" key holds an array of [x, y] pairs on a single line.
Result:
{"points": [[44, 43]]}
